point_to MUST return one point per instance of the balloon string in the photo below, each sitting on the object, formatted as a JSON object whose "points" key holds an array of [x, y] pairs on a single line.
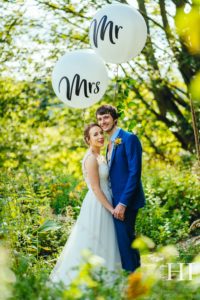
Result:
{"points": [[116, 86], [83, 116]]}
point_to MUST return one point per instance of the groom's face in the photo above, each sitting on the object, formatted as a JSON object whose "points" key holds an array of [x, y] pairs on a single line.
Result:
{"points": [[106, 122]]}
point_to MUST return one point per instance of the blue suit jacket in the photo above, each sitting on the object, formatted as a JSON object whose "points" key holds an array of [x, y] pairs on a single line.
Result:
{"points": [[125, 171]]}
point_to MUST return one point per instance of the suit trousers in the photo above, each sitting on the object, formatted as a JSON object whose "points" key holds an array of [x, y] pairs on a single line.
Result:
{"points": [[125, 231]]}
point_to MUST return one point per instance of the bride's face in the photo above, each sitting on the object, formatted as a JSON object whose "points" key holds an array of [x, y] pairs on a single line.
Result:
{"points": [[96, 137]]}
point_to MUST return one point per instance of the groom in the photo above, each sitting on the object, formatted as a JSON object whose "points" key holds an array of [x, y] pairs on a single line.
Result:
{"points": [[124, 157]]}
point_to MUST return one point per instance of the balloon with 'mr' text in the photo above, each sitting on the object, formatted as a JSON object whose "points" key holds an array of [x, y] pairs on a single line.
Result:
{"points": [[118, 33], [80, 78]]}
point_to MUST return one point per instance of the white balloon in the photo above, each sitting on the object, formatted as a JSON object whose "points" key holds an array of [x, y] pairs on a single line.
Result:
{"points": [[118, 33], [80, 78]]}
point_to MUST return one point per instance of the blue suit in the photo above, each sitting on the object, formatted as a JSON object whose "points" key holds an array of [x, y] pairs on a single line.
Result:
{"points": [[126, 185]]}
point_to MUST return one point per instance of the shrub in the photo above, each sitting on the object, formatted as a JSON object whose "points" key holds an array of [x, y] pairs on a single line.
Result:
{"points": [[173, 198]]}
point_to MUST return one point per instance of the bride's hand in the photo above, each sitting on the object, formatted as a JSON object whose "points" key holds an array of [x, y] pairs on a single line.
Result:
{"points": [[112, 211]]}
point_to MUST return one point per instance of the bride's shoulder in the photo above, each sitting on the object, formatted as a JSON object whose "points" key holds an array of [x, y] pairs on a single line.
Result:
{"points": [[89, 157]]}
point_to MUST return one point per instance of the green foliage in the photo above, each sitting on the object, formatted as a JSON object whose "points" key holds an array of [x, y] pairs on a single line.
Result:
{"points": [[188, 251], [67, 193], [41, 146], [172, 204], [175, 290], [41, 131], [37, 239], [95, 282], [159, 77], [31, 282], [28, 218]]}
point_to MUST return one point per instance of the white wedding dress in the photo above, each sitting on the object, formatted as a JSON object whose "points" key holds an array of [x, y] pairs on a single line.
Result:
{"points": [[94, 230]]}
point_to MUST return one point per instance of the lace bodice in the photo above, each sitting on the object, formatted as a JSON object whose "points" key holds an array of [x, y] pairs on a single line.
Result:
{"points": [[103, 169]]}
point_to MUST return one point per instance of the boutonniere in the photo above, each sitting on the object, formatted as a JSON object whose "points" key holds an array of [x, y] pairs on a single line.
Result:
{"points": [[117, 142]]}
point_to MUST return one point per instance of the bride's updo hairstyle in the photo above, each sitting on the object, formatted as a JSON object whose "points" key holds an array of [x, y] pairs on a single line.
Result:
{"points": [[87, 132]]}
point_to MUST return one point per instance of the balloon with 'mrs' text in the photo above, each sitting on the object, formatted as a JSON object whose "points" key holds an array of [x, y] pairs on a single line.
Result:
{"points": [[80, 78], [118, 33]]}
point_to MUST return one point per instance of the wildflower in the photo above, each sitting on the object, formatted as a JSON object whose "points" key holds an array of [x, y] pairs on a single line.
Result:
{"points": [[80, 186], [136, 286]]}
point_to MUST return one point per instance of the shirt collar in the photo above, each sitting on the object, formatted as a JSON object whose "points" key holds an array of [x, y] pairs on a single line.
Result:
{"points": [[115, 134]]}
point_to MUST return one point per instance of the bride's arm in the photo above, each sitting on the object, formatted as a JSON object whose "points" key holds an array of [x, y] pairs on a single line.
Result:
{"points": [[91, 167]]}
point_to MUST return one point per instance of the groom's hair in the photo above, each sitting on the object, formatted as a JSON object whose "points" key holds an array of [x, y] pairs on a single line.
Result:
{"points": [[108, 109]]}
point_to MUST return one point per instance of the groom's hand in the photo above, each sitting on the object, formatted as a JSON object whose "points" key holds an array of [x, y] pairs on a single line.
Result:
{"points": [[119, 212]]}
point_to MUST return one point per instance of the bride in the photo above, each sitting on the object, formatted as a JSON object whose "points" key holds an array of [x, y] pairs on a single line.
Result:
{"points": [[94, 229]]}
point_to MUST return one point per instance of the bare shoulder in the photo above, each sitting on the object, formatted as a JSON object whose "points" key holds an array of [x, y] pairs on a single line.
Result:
{"points": [[91, 161]]}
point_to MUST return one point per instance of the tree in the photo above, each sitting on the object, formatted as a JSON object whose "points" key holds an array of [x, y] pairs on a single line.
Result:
{"points": [[159, 77]]}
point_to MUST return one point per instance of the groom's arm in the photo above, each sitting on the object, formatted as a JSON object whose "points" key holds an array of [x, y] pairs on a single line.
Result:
{"points": [[133, 150]]}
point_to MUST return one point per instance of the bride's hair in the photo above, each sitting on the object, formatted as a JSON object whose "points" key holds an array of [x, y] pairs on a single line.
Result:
{"points": [[87, 131]]}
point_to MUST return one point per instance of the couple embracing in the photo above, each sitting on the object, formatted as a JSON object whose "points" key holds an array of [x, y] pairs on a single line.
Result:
{"points": [[108, 213]]}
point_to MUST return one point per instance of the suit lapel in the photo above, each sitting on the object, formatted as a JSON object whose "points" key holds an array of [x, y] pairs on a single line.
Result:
{"points": [[107, 154], [113, 154], [115, 147]]}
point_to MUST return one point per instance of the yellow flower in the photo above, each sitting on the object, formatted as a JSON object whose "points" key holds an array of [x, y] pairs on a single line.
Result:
{"points": [[80, 186], [117, 142], [136, 286]]}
